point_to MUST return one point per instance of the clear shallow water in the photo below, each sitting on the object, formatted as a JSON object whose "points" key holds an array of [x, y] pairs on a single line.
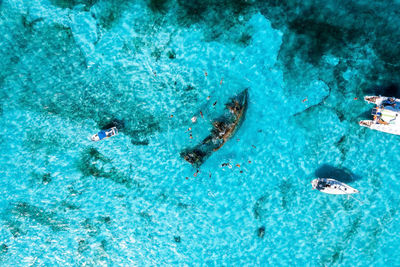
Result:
{"points": [[70, 67]]}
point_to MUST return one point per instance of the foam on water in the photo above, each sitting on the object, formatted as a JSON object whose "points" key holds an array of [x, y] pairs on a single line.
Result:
{"points": [[72, 67]]}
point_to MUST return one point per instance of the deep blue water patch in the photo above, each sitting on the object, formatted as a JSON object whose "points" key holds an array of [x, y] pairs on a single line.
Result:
{"points": [[158, 5], [107, 13]]}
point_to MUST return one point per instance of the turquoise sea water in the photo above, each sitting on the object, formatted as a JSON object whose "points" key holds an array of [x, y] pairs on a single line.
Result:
{"points": [[70, 67]]}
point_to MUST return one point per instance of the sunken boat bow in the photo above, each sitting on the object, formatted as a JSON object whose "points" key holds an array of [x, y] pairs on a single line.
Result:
{"points": [[224, 127]]}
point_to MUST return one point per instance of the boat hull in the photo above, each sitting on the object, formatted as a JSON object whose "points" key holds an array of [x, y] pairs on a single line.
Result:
{"points": [[380, 127], [224, 127], [378, 100], [386, 115], [332, 187], [104, 134]]}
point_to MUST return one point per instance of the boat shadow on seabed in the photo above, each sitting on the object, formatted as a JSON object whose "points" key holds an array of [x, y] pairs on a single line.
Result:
{"points": [[224, 127], [389, 90], [342, 174]]}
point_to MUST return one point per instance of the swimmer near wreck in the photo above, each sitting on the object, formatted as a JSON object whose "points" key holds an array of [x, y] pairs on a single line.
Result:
{"points": [[224, 127]]}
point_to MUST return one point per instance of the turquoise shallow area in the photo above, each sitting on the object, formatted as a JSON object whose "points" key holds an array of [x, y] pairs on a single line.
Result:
{"points": [[70, 67]]}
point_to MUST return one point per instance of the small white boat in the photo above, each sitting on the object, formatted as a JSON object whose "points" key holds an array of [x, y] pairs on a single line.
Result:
{"points": [[385, 115], [378, 100], [103, 134], [332, 186]]}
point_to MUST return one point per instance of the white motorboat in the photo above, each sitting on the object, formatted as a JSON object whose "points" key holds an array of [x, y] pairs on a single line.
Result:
{"points": [[332, 186], [385, 115], [378, 100], [103, 134]]}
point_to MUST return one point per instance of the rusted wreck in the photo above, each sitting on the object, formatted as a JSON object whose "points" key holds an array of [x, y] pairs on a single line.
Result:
{"points": [[224, 127]]}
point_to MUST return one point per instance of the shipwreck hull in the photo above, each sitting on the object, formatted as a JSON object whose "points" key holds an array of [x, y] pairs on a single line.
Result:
{"points": [[224, 127]]}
